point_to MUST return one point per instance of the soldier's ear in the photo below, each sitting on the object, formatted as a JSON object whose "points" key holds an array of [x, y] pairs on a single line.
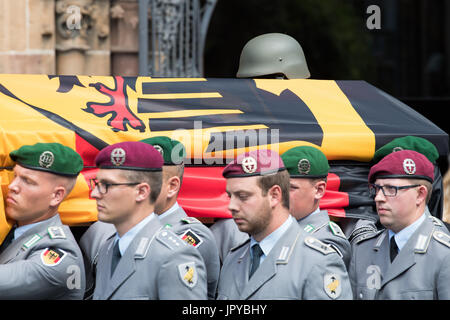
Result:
{"points": [[275, 195], [422, 193], [59, 193], [173, 186], [142, 191], [320, 186]]}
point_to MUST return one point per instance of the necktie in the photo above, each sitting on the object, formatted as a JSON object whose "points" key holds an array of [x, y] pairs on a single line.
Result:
{"points": [[115, 257], [8, 239], [256, 255], [393, 249]]}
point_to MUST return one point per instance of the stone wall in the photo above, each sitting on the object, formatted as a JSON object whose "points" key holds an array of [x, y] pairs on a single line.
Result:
{"points": [[88, 37]]}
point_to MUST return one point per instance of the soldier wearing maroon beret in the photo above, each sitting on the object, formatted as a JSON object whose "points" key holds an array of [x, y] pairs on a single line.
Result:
{"points": [[279, 260], [142, 260], [410, 259]]}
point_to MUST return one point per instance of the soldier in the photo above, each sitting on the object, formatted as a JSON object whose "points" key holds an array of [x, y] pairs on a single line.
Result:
{"points": [[172, 216], [143, 260], [411, 258], [280, 260], [308, 169], [40, 258], [272, 56], [425, 147]]}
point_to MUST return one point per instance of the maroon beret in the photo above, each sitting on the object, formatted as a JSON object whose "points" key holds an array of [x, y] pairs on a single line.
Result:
{"points": [[130, 155], [254, 163], [403, 164]]}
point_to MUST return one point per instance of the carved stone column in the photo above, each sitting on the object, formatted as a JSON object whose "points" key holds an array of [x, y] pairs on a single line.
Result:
{"points": [[124, 37], [82, 37]]}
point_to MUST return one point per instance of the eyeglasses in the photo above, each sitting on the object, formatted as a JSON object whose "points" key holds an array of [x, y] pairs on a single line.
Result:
{"points": [[388, 191], [103, 186]]}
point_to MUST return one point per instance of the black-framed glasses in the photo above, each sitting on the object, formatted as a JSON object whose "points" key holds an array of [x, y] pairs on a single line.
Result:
{"points": [[388, 191], [103, 186]]}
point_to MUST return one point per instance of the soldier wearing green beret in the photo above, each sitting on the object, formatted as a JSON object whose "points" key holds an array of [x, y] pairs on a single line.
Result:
{"points": [[308, 168], [39, 258], [425, 147]]}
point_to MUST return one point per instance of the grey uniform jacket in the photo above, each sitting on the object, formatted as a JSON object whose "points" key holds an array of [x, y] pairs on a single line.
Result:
{"points": [[298, 267], [421, 269], [227, 236], [90, 243], [43, 263], [157, 265], [320, 227], [193, 231]]}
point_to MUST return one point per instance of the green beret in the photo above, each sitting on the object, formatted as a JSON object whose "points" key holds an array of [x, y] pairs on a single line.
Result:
{"points": [[306, 162], [172, 151], [417, 144], [50, 157]]}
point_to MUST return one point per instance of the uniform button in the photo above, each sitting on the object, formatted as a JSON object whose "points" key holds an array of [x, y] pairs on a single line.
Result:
{"points": [[361, 295]]}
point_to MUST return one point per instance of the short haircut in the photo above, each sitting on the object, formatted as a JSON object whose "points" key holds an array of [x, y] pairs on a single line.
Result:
{"points": [[152, 178], [281, 179], [427, 185]]}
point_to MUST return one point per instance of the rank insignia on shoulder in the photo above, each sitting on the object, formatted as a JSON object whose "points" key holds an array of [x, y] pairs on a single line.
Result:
{"points": [[332, 285], [336, 230], [188, 274], [190, 237], [319, 245], [442, 238], [52, 256], [56, 232]]}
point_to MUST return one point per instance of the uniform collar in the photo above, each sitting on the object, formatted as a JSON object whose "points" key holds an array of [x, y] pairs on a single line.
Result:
{"points": [[269, 242], [171, 210], [126, 239], [403, 235], [22, 229]]}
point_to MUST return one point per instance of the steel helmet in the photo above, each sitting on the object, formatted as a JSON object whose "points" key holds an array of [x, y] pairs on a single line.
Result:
{"points": [[273, 53]]}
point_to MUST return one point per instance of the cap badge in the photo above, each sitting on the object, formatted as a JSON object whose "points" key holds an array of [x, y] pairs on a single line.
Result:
{"points": [[395, 149], [409, 166], [304, 166], [159, 149], [46, 159], [118, 156], [249, 165]]}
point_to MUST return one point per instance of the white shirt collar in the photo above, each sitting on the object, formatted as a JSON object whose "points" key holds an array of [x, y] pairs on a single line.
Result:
{"points": [[269, 242], [169, 212], [403, 235], [126, 239]]}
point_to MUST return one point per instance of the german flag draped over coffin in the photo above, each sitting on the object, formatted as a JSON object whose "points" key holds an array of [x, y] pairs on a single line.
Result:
{"points": [[215, 119]]}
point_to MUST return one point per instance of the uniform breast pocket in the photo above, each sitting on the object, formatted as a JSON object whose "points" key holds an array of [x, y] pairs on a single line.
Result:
{"points": [[417, 295]]}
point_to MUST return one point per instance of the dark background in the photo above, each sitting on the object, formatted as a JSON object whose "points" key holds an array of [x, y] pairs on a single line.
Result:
{"points": [[408, 57]]}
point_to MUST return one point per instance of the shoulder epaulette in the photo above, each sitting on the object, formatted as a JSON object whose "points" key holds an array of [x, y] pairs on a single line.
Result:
{"points": [[190, 220], [336, 230], [363, 236], [169, 239], [436, 221], [442, 237], [56, 232], [319, 245]]}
